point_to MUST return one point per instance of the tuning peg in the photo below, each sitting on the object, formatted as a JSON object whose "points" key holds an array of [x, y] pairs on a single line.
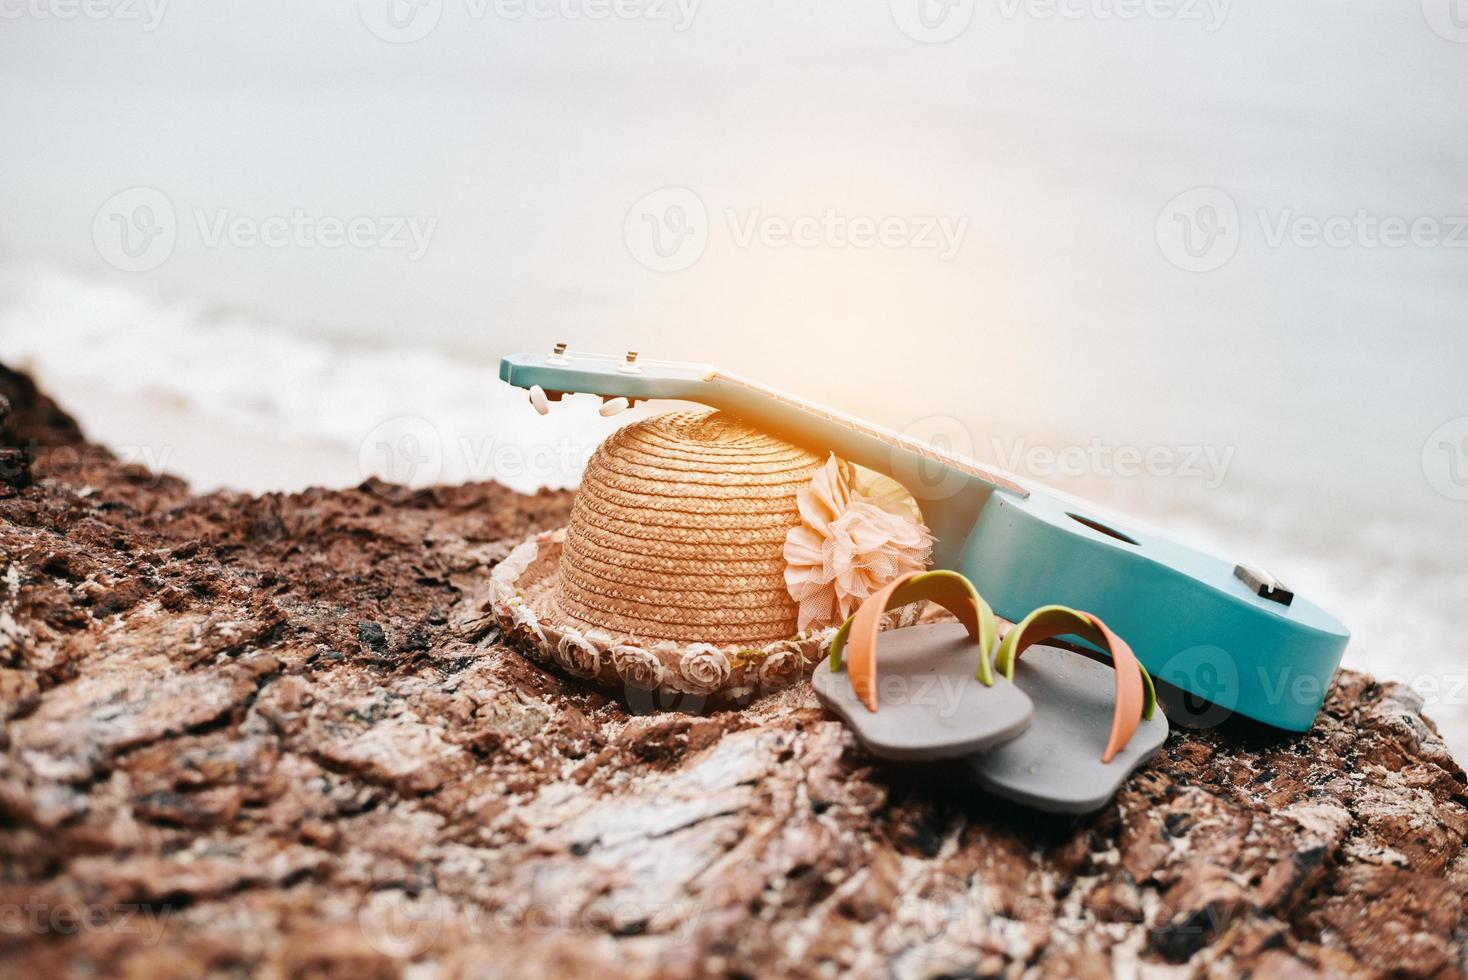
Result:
{"points": [[558, 355], [613, 406], [629, 366], [538, 399]]}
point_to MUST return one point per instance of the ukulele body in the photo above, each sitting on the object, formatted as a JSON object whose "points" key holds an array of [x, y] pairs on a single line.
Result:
{"points": [[1192, 622]]}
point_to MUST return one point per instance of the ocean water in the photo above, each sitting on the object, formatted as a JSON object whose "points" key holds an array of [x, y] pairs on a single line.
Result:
{"points": [[1207, 265]]}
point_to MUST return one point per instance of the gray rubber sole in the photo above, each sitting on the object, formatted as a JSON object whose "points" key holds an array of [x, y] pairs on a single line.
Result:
{"points": [[929, 706], [1055, 765]]}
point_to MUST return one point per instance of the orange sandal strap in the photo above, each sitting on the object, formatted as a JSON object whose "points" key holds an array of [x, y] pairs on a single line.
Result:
{"points": [[1136, 697], [952, 591]]}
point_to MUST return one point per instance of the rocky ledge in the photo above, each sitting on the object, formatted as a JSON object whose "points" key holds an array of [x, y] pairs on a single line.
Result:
{"points": [[265, 735]]}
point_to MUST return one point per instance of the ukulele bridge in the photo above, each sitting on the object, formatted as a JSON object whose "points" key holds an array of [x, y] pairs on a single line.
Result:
{"points": [[1262, 584]]}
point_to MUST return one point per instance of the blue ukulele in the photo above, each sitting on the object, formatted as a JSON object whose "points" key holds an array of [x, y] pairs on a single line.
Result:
{"points": [[1225, 633]]}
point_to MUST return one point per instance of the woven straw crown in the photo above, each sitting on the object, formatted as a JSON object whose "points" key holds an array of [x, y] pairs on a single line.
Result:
{"points": [[678, 532]]}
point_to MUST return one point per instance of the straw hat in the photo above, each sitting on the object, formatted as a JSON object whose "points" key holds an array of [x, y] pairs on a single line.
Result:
{"points": [[671, 575]]}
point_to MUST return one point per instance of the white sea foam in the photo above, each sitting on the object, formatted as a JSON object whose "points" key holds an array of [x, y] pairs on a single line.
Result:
{"points": [[413, 414]]}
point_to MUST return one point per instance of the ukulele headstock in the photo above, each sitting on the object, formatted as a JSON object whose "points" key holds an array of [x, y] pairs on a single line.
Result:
{"points": [[621, 380]]}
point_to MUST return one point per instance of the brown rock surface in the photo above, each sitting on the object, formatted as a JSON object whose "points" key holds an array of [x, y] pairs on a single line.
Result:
{"points": [[272, 735]]}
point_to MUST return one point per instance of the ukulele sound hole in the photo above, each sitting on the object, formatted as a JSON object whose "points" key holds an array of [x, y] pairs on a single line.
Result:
{"points": [[1110, 532]]}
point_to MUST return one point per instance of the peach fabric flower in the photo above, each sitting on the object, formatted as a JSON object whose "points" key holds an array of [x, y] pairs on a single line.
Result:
{"points": [[847, 546]]}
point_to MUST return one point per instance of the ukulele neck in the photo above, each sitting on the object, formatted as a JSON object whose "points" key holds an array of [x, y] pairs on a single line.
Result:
{"points": [[861, 442]]}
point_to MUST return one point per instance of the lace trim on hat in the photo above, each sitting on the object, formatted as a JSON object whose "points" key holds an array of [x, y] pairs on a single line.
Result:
{"points": [[691, 668]]}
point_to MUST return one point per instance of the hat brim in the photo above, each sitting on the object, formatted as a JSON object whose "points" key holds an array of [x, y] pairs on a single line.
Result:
{"points": [[522, 602]]}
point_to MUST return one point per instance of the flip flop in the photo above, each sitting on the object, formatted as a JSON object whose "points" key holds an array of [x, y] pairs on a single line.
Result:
{"points": [[1053, 765], [939, 696]]}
